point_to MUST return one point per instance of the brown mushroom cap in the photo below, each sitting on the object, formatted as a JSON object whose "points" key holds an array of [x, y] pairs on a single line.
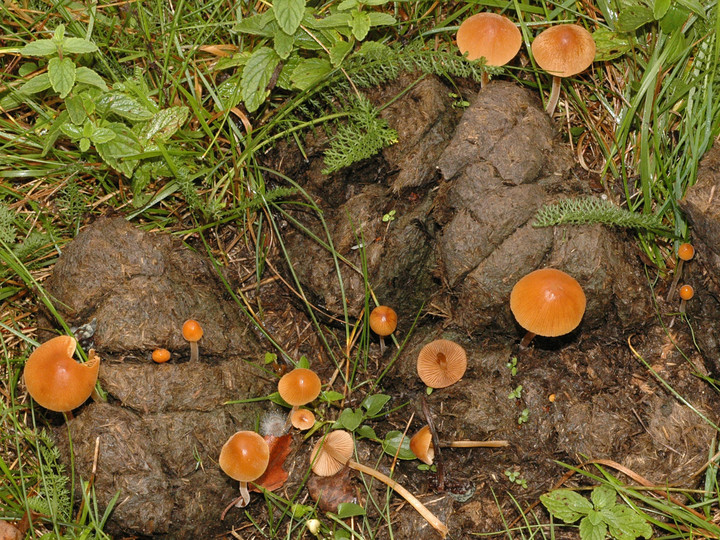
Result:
{"points": [[245, 456], [299, 386], [55, 380], [441, 363], [548, 302], [491, 36], [383, 320], [422, 446], [332, 452], [564, 50], [302, 419]]}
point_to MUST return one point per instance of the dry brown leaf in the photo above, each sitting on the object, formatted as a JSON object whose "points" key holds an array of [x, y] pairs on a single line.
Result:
{"points": [[275, 476]]}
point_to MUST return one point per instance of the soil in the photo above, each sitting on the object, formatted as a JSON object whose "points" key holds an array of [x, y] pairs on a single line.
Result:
{"points": [[465, 186]]}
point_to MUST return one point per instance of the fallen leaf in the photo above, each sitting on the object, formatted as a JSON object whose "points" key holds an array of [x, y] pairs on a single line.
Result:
{"points": [[330, 491], [275, 476], [9, 532]]}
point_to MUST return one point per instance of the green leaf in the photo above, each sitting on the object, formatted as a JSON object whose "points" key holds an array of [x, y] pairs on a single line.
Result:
{"points": [[33, 86], [59, 34], [164, 124], [349, 419], [54, 132], [381, 19], [40, 47], [347, 4], [566, 505], [72, 131], [124, 106], [339, 51], [229, 93], [283, 43], [118, 152], [27, 68], [288, 14], [256, 76], [603, 497], [366, 432], [76, 109], [373, 404], [102, 135], [633, 17], [284, 80], [84, 144], [299, 510], [610, 45], [360, 24], [75, 45], [85, 75], [348, 510], [695, 6], [310, 71], [660, 8], [373, 2], [393, 440], [258, 25], [674, 19], [625, 523], [336, 20], [270, 358], [62, 75], [331, 396], [592, 531]]}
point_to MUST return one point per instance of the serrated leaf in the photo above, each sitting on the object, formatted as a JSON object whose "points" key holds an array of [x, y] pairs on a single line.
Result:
{"points": [[660, 8], [118, 152], [72, 131], [592, 531], [625, 523], [289, 14], [59, 34], [54, 132], [76, 109], [102, 135], [378, 18], [229, 93], [164, 124], [603, 497], [283, 43], [349, 419], [124, 106], [256, 75], [85, 75], [566, 505], [336, 20], [610, 45], [373, 404], [347, 4], [339, 51], [263, 24], [27, 68], [62, 75], [348, 510], [310, 71], [40, 47], [33, 86], [373, 2], [360, 24], [284, 80], [87, 129], [84, 144], [75, 45], [393, 440], [633, 17]]}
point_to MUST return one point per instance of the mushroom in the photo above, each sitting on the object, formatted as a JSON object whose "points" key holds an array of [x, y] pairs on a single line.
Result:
{"points": [[334, 451], [244, 457], [685, 252], [547, 302], [563, 50], [302, 419], [160, 355], [192, 332], [441, 363], [55, 380], [686, 293], [490, 36], [298, 387], [383, 321], [422, 446]]}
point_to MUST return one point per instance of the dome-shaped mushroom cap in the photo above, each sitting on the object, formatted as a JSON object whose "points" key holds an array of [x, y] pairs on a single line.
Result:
{"points": [[548, 302], [491, 36], [302, 419], [191, 330], [245, 456], [383, 320], [441, 363], [422, 446], [299, 386], [564, 50], [55, 380], [332, 452]]}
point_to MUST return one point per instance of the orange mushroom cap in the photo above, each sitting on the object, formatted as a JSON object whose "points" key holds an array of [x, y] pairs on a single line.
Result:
{"points": [[302, 419], [548, 302], [422, 446], [192, 331], [491, 36], [686, 251], [245, 456], [564, 50], [299, 386], [383, 320], [332, 452], [160, 355], [55, 380], [441, 363], [687, 292]]}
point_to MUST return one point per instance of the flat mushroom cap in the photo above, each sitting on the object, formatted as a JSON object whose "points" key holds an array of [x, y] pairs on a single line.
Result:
{"points": [[564, 50], [422, 446], [332, 452], [55, 380], [244, 456], [548, 302], [299, 386], [302, 419], [441, 363], [491, 36]]}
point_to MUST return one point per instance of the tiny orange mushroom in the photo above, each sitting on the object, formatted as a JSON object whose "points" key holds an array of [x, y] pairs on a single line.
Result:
{"points": [[299, 387], [685, 252], [422, 446], [441, 363], [160, 355], [193, 332], [383, 321], [244, 457]]}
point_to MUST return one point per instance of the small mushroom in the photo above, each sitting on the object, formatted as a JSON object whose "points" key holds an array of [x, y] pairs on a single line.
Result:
{"points": [[563, 50], [686, 293], [298, 387], [383, 321], [441, 363], [192, 332], [55, 380], [244, 457], [334, 451], [422, 446], [302, 419], [160, 355], [685, 253], [490, 36], [547, 302]]}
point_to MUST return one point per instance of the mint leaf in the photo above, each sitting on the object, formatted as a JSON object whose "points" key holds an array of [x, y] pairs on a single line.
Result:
{"points": [[117, 152], [62, 75], [256, 76], [339, 51], [54, 132], [603, 497], [336, 20], [124, 106], [72, 131], [381, 19], [76, 109], [625, 523], [40, 47], [288, 14], [592, 531], [59, 34], [84, 144], [75, 45], [283, 43], [164, 124], [349, 420], [360, 24], [566, 505], [258, 25], [393, 440], [373, 404], [87, 76], [310, 71], [102, 135]]}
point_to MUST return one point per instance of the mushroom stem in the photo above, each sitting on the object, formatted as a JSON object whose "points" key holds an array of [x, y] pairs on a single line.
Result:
{"points": [[676, 279], [244, 498], [409, 497], [527, 339], [288, 421], [682, 305], [485, 80], [554, 95], [194, 351], [474, 444], [382, 345]]}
